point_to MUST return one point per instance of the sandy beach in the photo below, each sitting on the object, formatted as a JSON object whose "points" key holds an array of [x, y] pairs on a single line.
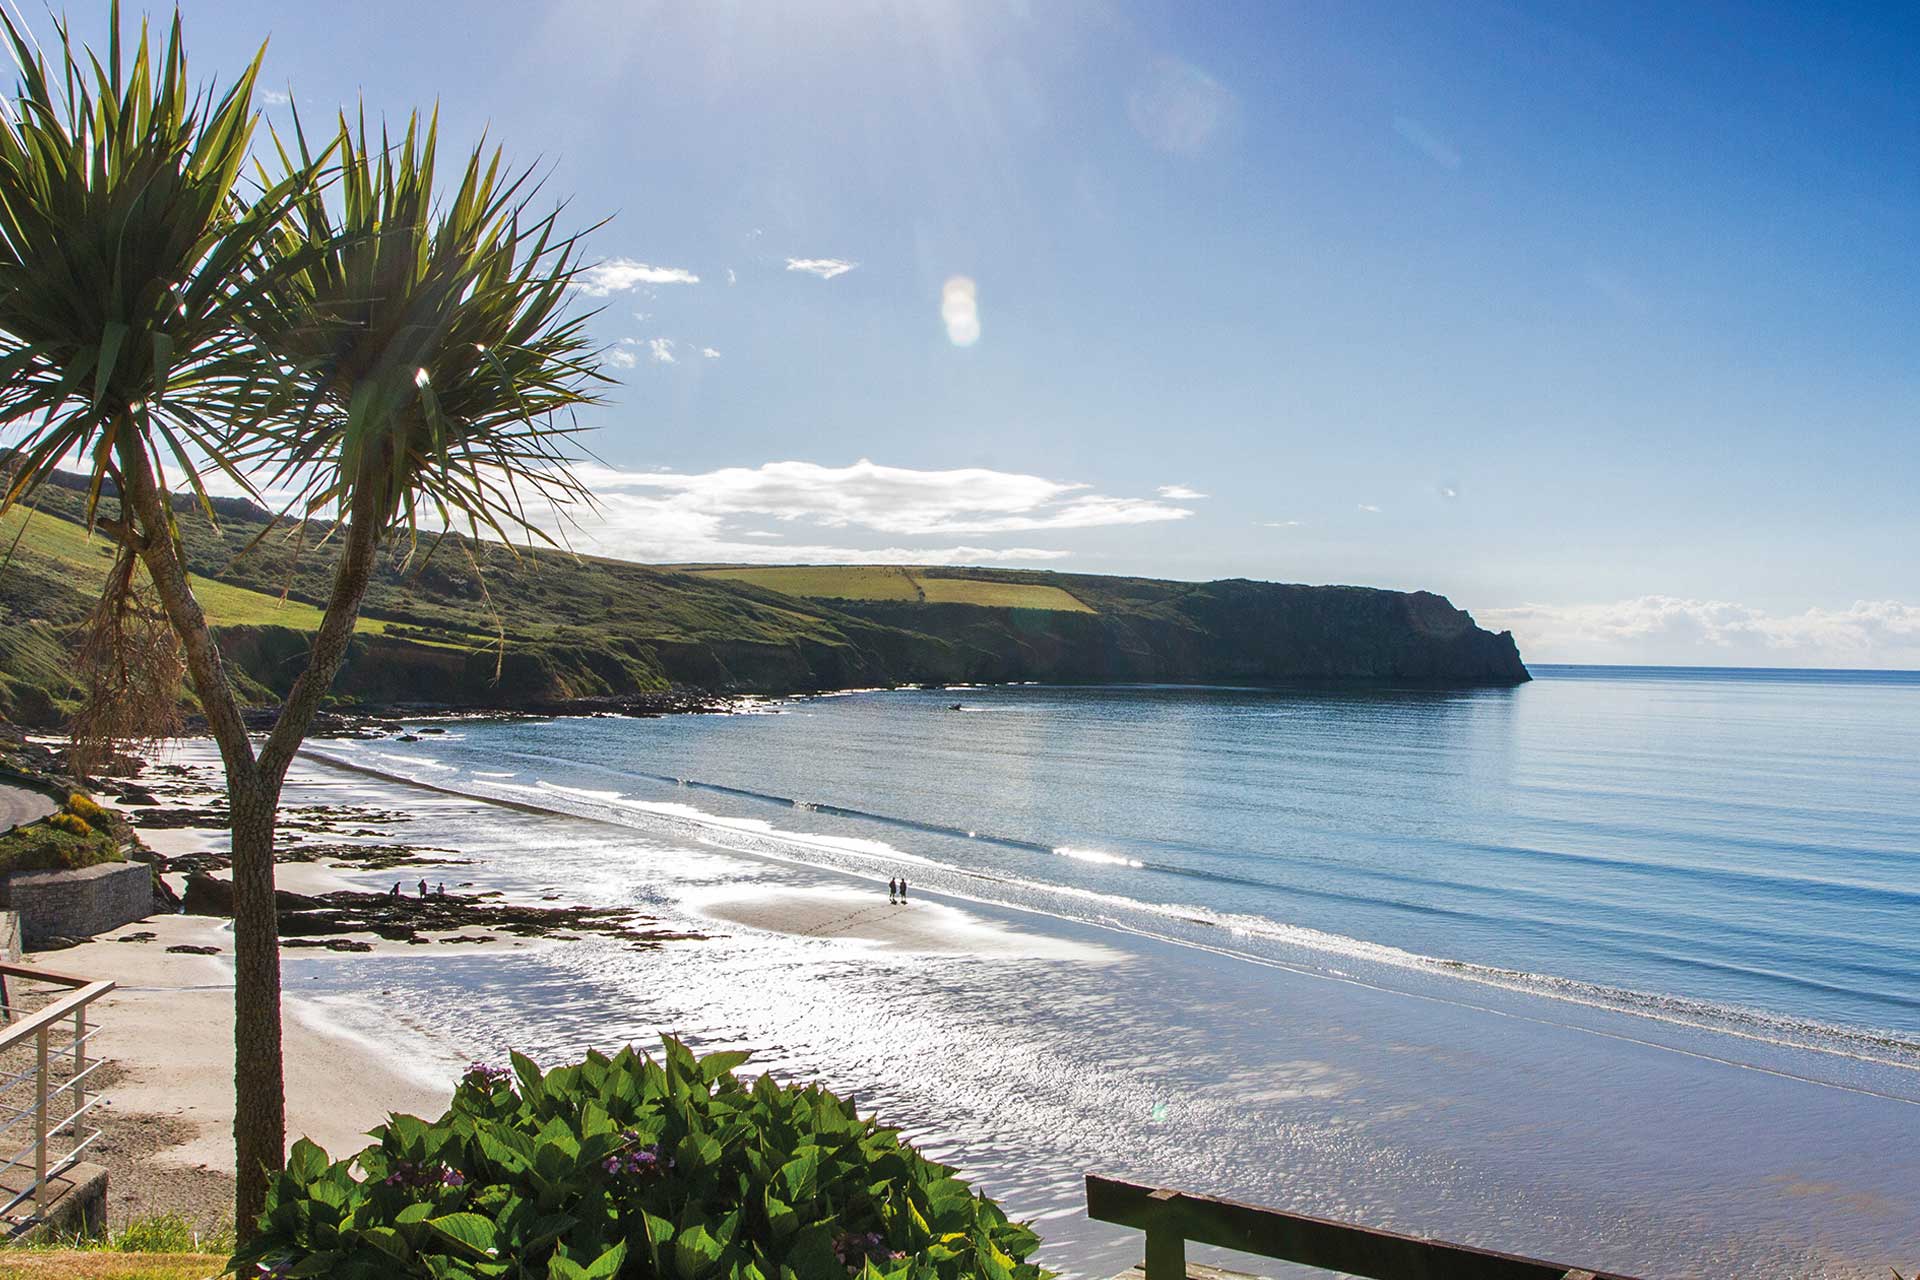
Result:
{"points": [[168, 1026], [167, 1033], [924, 927]]}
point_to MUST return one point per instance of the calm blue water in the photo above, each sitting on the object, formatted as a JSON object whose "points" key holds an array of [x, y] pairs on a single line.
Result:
{"points": [[1742, 845], [1616, 968]]}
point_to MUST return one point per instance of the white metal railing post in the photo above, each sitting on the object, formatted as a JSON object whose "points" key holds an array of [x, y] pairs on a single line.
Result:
{"points": [[79, 1065], [40, 1129], [40, 1027]]}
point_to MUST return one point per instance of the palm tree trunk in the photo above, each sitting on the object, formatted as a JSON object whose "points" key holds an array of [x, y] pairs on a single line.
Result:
{"points": [[259, 1117], [259, 1078]]}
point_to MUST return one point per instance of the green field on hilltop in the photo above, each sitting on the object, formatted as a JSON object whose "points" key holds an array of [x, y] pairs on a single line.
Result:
{"points": [[894, 582], [827, 582], [941, 589], [62, 545]]}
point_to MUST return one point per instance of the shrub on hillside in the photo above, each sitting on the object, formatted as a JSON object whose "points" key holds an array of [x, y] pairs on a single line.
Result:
{"points": [[86, 809], [628, 1167], [52, 846], [71, 823]]}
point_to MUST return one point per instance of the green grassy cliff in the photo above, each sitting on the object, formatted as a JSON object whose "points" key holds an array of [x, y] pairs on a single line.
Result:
{"points": [[470, 625]]}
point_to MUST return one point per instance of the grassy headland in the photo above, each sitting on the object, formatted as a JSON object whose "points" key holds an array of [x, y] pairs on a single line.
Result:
{"points": [[472, 625]]}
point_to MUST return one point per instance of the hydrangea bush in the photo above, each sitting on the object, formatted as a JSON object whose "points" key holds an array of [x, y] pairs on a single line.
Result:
{"points": [[629, 1167]]}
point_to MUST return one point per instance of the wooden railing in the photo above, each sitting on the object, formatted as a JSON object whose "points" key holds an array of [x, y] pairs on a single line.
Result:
{"points": [[1171, 1218], [57, 1035]]}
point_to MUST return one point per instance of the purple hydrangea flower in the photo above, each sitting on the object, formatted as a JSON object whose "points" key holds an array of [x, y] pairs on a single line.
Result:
{"points": [[638, 1161], [855, 1248], [405, 1173], [484, 1075]]}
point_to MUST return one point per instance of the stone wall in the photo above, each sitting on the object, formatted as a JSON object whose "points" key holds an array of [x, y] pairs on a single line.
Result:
{"points": [[79, 904]]}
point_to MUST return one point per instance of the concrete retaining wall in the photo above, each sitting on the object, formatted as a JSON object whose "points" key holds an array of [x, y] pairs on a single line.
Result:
{"points": [[79, 904], [9, 935]]}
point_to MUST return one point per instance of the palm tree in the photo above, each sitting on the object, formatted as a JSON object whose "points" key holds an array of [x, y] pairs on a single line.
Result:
{"points": [[394, 363]]}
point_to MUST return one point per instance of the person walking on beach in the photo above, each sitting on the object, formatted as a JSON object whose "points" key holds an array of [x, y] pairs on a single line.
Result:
{"points": [[423, 888], [893, 890], [903, 888]]}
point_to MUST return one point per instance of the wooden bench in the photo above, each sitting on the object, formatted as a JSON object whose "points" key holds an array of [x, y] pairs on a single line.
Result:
{"points": [[1171, 1218]]}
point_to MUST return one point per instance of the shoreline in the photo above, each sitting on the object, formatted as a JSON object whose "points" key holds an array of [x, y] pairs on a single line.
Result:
{"points": [[838, 1009], [1304, 949], [1027, 1051]]}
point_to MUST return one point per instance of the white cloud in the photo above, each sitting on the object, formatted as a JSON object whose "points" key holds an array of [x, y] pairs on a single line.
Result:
{"points": [[1280, 524], [749, 513], [709, 353], [1181, 492], [660, 350], [732, 278], [1672, 629], [275, 97], [1368, 506], [617, 275], [1425, 140], [825, 268], [1449, 492], [894, 500], [621, 358]]}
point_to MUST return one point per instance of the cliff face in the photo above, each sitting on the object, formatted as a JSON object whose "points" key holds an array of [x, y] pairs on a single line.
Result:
{"points": [[1231, 631]]}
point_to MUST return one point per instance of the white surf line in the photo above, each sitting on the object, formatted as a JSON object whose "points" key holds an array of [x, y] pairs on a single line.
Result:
{"points": [[1231, 953]]}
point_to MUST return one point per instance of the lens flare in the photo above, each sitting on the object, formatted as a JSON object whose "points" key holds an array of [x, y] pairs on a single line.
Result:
{"points": [[960, 309]]}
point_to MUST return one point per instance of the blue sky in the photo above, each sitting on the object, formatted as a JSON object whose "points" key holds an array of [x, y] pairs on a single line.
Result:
{"points": [[1599, 319]]}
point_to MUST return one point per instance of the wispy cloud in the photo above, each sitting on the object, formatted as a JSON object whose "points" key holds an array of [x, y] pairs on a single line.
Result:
{"points": [[1674, 629], [1369, 507], [732, 278], [709, 353], [895, 500], [908, 516], [275, 97], [617, 275], [1425, 140], [1181, 492], [660, 350], [1279, 524], [825, 268], [622, 358]]}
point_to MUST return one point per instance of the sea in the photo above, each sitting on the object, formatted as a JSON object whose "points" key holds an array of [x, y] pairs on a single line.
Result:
{"points": [[1620, 967]]}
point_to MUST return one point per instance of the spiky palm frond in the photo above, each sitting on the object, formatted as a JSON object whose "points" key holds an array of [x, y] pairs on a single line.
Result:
{"points": [[125, 250], [431, 340]]}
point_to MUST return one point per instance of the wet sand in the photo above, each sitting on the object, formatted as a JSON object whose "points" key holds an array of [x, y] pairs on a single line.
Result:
{"points": [[925, 927]]}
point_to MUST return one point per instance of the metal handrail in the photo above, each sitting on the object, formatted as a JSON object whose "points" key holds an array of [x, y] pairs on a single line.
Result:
{"points": [[39, 1027]]}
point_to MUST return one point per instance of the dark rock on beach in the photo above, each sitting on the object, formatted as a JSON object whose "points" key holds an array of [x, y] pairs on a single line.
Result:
{"points": [[209, 896], [403, 919]]}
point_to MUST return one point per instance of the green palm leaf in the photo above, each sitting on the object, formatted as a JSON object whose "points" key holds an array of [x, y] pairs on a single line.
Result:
{"points": [[126, 248], [430, 362]]}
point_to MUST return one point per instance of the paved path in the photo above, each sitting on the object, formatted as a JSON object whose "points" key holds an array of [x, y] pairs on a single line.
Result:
{"points": [[18, 805]]}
